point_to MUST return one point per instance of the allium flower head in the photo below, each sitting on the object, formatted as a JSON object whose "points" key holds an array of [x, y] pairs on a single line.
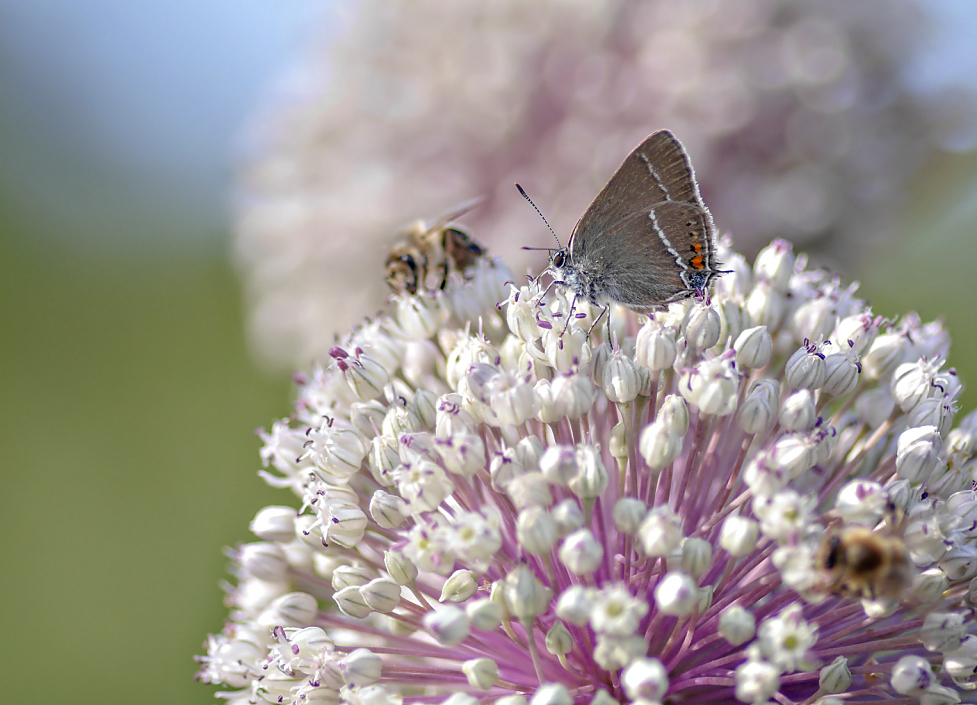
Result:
{"points": [[505, 509]]}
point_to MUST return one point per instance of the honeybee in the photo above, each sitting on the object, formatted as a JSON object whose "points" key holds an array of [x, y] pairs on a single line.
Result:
{"points": [[858, 562], [427, 254]]}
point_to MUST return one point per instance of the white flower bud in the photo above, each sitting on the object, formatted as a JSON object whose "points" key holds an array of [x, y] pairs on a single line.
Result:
{"points": [[814, 319], [400, 419], [448, 625], [525, 595], [739, 535], [520, 314], [928, 587], [452, 418], [613, 653], [551, 694], [775, 264], [461, 585], [645, 680], [912, 382], [381, 594], [484, 614], [911, 675], [960, 562], [482, 673], [766, 306], [756, 681], [942, 631], [536, 531], [351, 576], [581, 553], [628, 514], [939, 695], [696, 557], [361, 667], [387, 510], [620, 378], [460, 698], [862, 502], [676, 594], [712, 386], [805, 369], [658, 445], [577, 393], [843, 371], [350, 602], [602, 697], [345, 524], [798, 412], [933, 412], [674, 413], [655, 347], [618, 445], [701, 327], [274, 524], [461, 453], [661, 531], [835, 677], [384, 458], [753, 348], [885, 354], [294, 609], [961, 663], [558, 639], [420, 316], [559, 465], [759, 410], [551, 407], [860, 330], [590, 481], [568, 517], [575, 605], [511, 700], [736, 625], [264, 561], [399, 567], [530, 490]]}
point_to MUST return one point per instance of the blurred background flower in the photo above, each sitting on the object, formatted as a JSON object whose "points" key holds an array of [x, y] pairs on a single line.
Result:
{"points": [[803, 120], [126, 383]]}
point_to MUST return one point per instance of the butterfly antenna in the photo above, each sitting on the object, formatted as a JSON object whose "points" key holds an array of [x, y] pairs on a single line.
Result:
{"points": [[526, 196]]}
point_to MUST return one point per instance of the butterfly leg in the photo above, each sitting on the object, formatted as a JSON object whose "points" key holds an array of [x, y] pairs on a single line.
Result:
{"points": [[605, 310], [573, 305]]}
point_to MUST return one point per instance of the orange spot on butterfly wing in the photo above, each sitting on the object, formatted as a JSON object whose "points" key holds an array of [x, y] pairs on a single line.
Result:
{"points": [[697, 262]]}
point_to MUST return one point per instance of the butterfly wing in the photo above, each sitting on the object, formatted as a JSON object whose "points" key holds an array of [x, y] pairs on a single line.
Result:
{"points": [[657, 170], [651, 200]]}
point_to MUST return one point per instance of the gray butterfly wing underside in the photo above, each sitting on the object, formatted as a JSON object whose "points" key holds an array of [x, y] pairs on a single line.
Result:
{"points": [[651, 199], [657, 170]]}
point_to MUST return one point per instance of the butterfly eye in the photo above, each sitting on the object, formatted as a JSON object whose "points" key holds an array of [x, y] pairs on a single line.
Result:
{"points": [[558, 260]]}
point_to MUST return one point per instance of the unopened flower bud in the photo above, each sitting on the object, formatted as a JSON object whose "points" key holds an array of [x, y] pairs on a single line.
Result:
{"points": [[739, 535], [381, 594], [350, 602], [461, 585], [448, 625], [696, 556], [581, 553], [911, 675], [645, 680], [628, 514], [753, 348], [274, 524], [620, 378], [655, 347], [482, 673], [568, 517], [758, 412], [736, 625], [676, 594], [659, 446], [590, 481], [399, 567], [805, 369], [558, 639], [701, 327], [361, 667], [835, 677], [484, 614], [775, 264], [536, 531]]}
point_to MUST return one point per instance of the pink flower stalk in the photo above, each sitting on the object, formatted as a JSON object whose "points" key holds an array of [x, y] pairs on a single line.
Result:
{"points": [[497, 508]]}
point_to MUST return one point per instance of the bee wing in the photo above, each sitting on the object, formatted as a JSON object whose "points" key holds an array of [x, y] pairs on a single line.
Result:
{"points": [[454, 213]]}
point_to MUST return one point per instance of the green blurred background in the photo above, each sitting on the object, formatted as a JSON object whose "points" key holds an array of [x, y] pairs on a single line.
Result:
{"points": [[129, 400]]}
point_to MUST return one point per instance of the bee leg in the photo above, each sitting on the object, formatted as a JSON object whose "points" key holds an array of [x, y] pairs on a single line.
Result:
{"points": [[443, 267]]}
